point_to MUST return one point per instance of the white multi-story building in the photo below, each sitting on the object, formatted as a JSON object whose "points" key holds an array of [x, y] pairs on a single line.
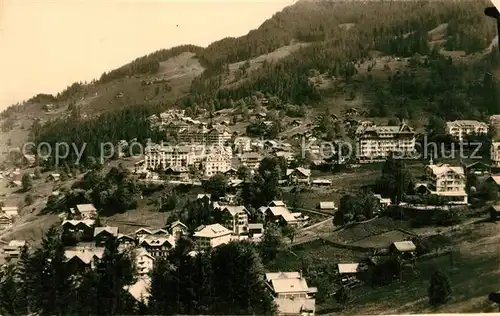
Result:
{"points": [[212, 236], [216, 163], [376, 143], [202, 135], [495, 154], [461, 128], [448, 181]]}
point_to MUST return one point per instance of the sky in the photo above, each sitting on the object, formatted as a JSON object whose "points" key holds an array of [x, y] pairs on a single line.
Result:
{"points": [[46, 45]]}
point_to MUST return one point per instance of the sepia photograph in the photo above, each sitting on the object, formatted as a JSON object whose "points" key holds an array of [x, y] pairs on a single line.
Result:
{"points": [[249, 157]]}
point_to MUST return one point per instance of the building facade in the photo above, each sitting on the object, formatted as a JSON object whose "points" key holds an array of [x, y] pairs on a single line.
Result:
{"points": [[448, 181], [377, 143], [462, 128]]}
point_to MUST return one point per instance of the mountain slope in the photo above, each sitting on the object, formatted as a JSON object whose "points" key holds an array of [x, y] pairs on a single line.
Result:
{"points": [[319, 53]]}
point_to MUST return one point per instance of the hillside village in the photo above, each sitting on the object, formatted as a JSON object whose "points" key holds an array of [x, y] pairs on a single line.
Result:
{"points": [[334, 193], [199, 152]]}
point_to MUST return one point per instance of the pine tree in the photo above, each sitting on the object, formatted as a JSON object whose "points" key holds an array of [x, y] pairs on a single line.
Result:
{"points": [[439, 289]]}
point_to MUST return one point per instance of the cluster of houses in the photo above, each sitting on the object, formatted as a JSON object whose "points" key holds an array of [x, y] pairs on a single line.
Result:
{"points": [[352, 274], [290, 290]]}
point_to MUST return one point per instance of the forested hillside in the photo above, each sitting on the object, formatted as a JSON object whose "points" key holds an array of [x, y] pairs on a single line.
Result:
{"points": [[396, 28]]}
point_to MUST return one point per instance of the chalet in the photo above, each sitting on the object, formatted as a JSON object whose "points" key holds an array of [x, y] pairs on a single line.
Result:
{"points": [[403, 248], [83, 227], [144, 261], [448, 181], [204, 197], [5, 221], [86, 211], [348, 272], [232, 173], [125, 241], [235, 218], [299, 175], [495, 212], [160, 232], [291, 293], [177, 173], [178, 229], [103, 234], [281, 215], [81, 258], [251, 160], [142, 233], [158, 246], [212, 236], [478, 168]]}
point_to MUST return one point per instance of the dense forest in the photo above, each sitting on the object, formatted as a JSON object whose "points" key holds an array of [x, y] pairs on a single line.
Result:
{"points": [[228, 280]]}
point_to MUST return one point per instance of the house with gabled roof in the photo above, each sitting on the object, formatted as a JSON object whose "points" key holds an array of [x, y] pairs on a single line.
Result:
{"points": [[85, 228], [403, 248], [211, 236], [291, 293], [125, 241], [86, 211], [448, 181], [103, 234], [282, 216], [178, 229], [142, 232], [204, 197], [158, 246], [235, 218], [478, 168], [81, 258], [5, 221]]}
